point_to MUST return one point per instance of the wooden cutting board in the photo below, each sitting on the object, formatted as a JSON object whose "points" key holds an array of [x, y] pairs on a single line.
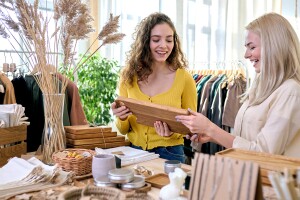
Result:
{"points": [[96, 140], [84, 129], [147, 113], [90, 135]]}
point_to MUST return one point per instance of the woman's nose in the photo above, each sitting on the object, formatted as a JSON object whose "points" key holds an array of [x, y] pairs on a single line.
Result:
{"points": [[163, 44], [247, 54]]}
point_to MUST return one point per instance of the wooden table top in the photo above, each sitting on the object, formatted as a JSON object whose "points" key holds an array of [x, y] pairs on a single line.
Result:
{"points": [[155, 165]]}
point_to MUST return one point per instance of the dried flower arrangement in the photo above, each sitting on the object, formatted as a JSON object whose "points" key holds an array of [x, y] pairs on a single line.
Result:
{"points": [[41, 48]]}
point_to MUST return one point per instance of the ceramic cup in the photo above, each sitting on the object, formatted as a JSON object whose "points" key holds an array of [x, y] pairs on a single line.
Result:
{"points": [[101, 164]]}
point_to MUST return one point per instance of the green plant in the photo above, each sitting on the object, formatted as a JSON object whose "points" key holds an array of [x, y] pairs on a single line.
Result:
{"points": [[97, 82]]}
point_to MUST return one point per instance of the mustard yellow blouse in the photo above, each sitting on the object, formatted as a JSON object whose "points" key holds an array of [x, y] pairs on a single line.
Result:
{"points": [[182, 94]]}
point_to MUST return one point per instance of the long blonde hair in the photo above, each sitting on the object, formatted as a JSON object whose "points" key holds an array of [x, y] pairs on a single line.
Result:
{"points": [[280, 55]]}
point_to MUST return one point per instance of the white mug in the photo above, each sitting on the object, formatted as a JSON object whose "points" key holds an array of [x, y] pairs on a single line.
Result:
{"points": [[101, 164]]}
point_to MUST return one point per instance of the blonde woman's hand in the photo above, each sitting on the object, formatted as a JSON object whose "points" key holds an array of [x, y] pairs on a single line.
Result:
{"points": [[162, 129], [199, 137], [196, 123], [120, 111]]}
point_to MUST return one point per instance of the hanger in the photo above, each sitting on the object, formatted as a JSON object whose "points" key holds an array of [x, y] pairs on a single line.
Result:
{"points": [[5, 65]]}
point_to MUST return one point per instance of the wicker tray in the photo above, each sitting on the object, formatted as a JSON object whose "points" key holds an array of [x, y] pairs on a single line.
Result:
{"points": [[80, 166]]}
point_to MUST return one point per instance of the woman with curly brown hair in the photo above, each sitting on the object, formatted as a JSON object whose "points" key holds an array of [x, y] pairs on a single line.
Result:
{"points": [[155, 72]]}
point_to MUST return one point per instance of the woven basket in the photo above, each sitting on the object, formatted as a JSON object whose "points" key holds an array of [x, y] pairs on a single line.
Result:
{"points": [[80, 166]]}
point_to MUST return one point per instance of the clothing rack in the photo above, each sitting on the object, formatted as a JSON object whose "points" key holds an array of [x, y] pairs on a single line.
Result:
{"points": [[19, 69], [218, 84], [222, 65]]}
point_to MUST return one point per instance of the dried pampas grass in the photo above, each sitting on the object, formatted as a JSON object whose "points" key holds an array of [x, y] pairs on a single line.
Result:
{"points": [[72, 23]]}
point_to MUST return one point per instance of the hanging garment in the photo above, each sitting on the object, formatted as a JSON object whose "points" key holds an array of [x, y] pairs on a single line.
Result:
{"points": [[75, 110], [232, 102], [9, 97], [2, 92], [200, 85], [19, 84], [34, 110], [204, 102]]}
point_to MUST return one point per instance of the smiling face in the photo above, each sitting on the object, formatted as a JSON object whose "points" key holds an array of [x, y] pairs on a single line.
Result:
{"points": [[161, 42], [253, 49]]}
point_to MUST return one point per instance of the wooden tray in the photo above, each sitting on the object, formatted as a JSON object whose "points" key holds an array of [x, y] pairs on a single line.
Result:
{"points": [[84, 129], [158, 180], [147, 113], [267, 162]]}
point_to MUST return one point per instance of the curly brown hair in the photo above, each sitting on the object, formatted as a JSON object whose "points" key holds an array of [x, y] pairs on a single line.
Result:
{"points": [[139, 59]]}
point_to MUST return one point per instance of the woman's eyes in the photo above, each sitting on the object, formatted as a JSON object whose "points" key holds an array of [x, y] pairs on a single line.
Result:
{"points": [[169, 41], [252, 48]]}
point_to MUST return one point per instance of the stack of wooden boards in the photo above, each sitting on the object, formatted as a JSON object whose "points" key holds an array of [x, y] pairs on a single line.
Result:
{"points": [[86, 137]]}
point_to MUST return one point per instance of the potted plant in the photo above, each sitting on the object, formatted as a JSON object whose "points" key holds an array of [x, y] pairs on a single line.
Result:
{"points": [[97, 83]]}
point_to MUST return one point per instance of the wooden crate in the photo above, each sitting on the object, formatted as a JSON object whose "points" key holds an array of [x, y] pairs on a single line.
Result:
{"points": [[12, 142], [267, 162]]}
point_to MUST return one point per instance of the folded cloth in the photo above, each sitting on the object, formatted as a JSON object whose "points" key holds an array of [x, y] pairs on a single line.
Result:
{"points": [[4, 117], [12, 115], [20, 176], [15, 170]]}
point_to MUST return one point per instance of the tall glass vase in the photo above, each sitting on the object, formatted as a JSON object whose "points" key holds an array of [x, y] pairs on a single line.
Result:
{"points": [[54, 138]]}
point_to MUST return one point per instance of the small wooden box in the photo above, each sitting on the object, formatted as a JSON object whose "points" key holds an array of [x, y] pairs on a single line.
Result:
{"points": [[12, 142]]}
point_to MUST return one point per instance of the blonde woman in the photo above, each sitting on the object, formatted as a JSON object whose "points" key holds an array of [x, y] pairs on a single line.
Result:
{"points": [[269, 119], [155, 72]]}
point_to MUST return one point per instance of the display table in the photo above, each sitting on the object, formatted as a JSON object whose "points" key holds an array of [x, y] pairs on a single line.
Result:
{"points": [[155, 165]]}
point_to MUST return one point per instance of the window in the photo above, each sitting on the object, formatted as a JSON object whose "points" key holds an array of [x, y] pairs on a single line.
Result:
{"points": [[12, 50], [191, 19]]}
